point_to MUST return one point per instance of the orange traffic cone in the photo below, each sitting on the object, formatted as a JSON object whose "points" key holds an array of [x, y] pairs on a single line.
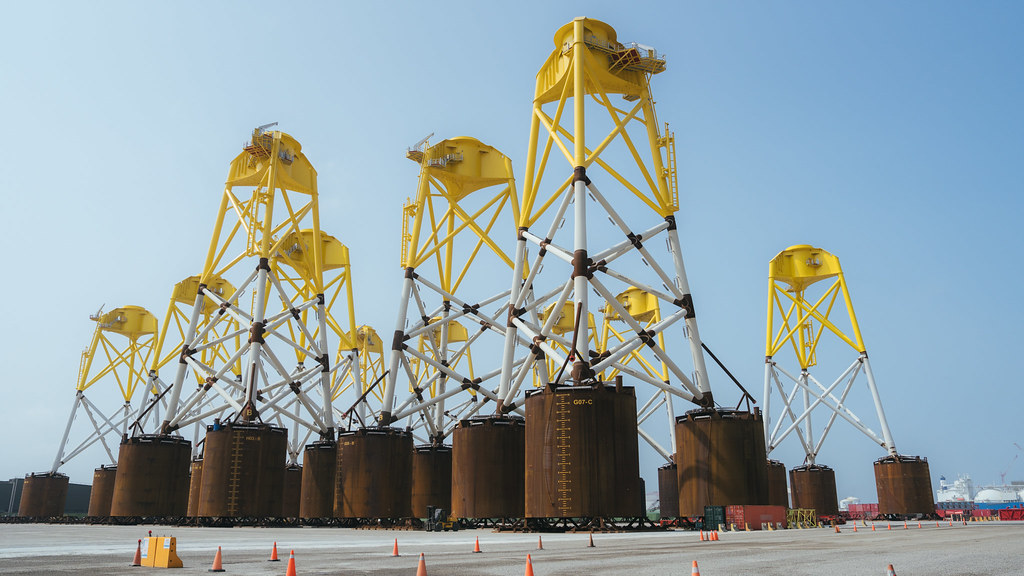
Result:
{"points": [[837, 529], [137, 561], [421, 568], [854, 526], [695, 571], [540, 544], [591, 545], [701, 535], [889, 571], [529, 567], [394, 551], [905, 527], [872, 526], [918, 523], [950, 523], [476, 547], [291, 565], [888, 525], [714, 536], [218, 566], [273, 554]]}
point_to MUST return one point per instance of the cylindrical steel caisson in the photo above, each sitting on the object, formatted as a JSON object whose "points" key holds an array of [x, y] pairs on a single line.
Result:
{"points": [[243, 471], [318, 467], [777, 493], [582, 458], [487, 467], [721, 459], [374, 474], [195, 487], [102, 491], [668, 491], [904, 485], [43, 495], [431, 479], [292, 492], [152, 477], [814, 487]]}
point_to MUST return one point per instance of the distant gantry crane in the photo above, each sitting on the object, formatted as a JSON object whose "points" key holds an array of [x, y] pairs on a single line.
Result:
{"points": [[800, 314]]}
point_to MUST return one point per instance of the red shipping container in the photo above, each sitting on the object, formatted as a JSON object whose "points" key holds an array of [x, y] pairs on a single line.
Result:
{"points": [[1011, 514], [753, 517], [864, 511]]}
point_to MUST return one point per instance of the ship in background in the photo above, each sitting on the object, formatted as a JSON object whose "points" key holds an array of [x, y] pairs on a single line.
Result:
{"points": [[960, 490], [960, 494], [958, 498]]}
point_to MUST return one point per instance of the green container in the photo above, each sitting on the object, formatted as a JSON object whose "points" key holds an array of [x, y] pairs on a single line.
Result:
{"points": [[714, 517]]}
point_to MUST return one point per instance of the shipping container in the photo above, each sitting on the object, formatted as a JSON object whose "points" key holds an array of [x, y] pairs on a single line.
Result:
{"points": [[965, 512], [753, 517], [952, 514], [1011, 514], [714, 517], [863, 511]]}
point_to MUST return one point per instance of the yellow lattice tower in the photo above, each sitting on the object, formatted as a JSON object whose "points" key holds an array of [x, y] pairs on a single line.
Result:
{"points": [[369, 377], [563, 324], [466, 202], [121, 346], [573, 98], [268, 227], [295, 265], [169, 345], [805, 284], [645, 309]]}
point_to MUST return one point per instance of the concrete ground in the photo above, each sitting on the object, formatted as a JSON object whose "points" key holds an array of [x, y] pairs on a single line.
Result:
{"points": [[981, 549]]}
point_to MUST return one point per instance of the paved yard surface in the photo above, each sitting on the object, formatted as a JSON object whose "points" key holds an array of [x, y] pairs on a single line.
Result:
{"points": [[983, 549]]}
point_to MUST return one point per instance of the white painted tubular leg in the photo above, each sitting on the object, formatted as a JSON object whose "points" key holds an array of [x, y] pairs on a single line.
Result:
{"points": [[693, 335], [396, 353], [886, 433]]}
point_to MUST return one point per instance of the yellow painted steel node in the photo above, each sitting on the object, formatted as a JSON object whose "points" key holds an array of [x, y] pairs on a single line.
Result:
{"points": [[641, 305], [465, 165], [294, 170], [801, 265], [565, 323], [456, 332], [614, 68], [295, 251], [368, 340], [128, 321], [185, 292]]}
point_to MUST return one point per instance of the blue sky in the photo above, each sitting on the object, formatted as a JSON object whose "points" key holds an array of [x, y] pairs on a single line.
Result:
{"points": [[890, 134]]}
